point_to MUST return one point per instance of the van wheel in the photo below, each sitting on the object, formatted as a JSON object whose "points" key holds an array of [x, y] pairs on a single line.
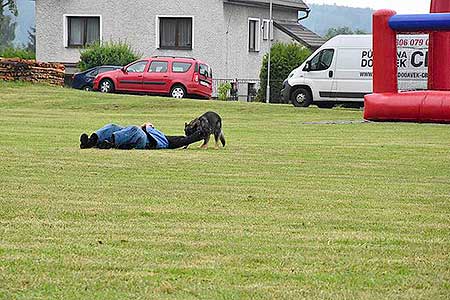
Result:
{"points": [[87, 88], [301, 97], [324, 104], [178, 92], [106, 86]]}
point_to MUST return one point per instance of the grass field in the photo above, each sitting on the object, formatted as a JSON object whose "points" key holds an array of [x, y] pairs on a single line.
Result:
{"points": [[288, 210]]}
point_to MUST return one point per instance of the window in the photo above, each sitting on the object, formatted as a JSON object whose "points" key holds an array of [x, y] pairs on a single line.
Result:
{"points": [[138, 67], [253, 35], [92, 73], [105, 69], [322, 60], [267, 30], [175, 33], [180, 67], [82, 31], [205, 71], [158, 67]]}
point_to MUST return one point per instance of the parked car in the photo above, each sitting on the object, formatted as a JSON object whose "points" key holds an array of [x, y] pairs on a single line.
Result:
{"points": [[340, 71], [85, 80], [177, 77]]}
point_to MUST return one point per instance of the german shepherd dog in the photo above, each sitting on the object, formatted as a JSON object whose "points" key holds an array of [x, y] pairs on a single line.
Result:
{"points": [[209, 122]]}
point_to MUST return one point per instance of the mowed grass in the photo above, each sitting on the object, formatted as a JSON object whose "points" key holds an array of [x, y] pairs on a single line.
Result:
{"points": [[287, 210]]}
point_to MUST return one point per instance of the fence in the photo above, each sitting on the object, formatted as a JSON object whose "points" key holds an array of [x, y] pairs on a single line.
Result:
{"points": [[247, 89], [241, 89]]}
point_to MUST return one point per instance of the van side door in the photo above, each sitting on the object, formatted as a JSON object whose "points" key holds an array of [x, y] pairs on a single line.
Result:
{"points": [[353, 74], [319, 74]]}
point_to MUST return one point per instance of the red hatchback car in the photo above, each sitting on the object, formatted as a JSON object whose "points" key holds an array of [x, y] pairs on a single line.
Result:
{"points": [[174, 76]]}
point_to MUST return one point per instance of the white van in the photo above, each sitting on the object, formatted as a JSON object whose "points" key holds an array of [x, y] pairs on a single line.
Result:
{"points": [[341, 71]]}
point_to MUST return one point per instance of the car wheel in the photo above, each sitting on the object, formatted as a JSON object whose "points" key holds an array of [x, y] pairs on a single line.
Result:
{"points": [[325, 104], [87, 88], [178, 92], [106, 86], [301, 97]]}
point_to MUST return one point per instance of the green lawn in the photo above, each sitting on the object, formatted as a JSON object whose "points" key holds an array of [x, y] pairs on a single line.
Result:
{"points": [[288, 210]]}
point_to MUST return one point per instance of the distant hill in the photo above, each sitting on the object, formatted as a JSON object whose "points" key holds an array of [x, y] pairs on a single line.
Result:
{"points": [[323, 17]]}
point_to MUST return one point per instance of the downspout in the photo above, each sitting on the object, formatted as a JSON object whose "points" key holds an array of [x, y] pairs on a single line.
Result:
{"points": [[307, 11]]}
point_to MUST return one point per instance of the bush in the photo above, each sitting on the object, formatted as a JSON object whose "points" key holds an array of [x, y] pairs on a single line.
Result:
{"points": [[108, 53], [11, 52], [284, 58], [224, 89]]}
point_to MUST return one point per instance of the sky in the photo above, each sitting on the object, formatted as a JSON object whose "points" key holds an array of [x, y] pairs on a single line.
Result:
{"points": [[400, 6]]}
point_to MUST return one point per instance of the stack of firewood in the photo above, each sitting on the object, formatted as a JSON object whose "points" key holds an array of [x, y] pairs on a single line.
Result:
{"points": [[30, 70]]}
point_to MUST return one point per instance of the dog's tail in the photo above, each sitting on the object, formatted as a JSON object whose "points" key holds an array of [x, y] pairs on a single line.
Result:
{"points": [[222, 139]]}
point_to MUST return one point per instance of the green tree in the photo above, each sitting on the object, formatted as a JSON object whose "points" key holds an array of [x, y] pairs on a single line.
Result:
{"points": [[7, 25], [108, 53], [31, 46], [283, 59], [9, 4], [332, 32]]}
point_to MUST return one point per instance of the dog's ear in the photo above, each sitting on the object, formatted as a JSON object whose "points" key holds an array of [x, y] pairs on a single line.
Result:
{"points": [[185, 124]]}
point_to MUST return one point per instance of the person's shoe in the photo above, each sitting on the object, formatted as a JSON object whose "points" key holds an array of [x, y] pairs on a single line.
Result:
{"points": [[93, 139], [84, 141], [105, 145]]}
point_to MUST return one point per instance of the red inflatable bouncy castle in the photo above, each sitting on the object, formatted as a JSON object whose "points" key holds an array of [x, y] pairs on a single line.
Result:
{"points": [[387, 103]]}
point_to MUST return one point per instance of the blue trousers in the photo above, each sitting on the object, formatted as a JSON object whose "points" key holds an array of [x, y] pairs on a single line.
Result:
{"points": [[131, 137]]}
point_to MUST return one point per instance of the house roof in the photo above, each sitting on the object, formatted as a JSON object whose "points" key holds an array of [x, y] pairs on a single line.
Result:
{"points": [[294, 4], [300, 33]]}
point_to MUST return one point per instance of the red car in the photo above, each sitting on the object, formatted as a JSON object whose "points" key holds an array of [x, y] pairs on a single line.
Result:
{"points": [[174, 76]]}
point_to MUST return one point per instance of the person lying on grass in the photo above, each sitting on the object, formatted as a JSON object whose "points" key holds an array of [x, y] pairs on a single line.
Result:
{"points": [[136, 137]]}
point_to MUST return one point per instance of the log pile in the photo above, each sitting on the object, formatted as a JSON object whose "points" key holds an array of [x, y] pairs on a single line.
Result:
{"points": [[12, 69]]}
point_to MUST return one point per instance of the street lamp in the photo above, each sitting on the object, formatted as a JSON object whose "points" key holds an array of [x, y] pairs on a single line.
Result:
{"points": [[268, 61]]}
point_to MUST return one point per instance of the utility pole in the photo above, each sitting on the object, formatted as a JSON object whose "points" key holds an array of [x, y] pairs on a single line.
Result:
{"points": [[270, 47]]}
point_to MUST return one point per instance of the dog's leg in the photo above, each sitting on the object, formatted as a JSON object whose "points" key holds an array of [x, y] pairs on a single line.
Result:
{"points": [[205, 142], [222, 139], [216, 139]]}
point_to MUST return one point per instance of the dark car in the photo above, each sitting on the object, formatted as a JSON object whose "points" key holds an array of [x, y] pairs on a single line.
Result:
{"points": [[85, 80]]}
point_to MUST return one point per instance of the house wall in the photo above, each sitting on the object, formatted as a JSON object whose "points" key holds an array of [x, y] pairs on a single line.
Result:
{"points": [[220, 30], [238, 61]]}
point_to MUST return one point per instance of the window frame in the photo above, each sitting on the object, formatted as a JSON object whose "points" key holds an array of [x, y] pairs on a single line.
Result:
{"points": [[181, 62], [66, 27], [267, 29], [257, 34], [320, 54], [158, 61], [135, 63], [158, 31]]}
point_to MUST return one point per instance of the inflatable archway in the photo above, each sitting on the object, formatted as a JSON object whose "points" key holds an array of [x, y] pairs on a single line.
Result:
{"points": [[387, 103]]}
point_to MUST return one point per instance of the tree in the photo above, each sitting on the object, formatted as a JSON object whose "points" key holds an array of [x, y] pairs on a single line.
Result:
{"points": [[332, 32], [7, 25], [107, 53], [283, 59], [31, 46], [11, 5], [7, 31]]}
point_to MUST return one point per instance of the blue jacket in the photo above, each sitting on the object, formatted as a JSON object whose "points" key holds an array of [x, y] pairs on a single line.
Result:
{"points": [[160, 138]]}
